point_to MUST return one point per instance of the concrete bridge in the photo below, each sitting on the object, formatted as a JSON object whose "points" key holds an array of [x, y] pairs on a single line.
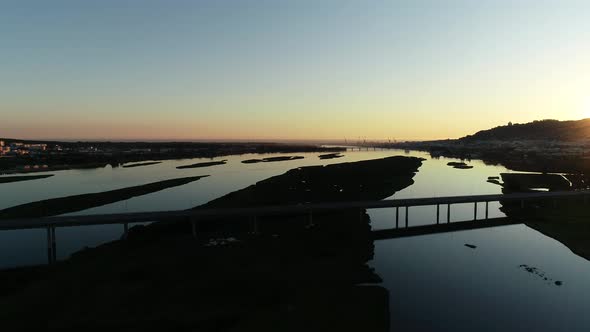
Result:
{"points": [[194, 216]]}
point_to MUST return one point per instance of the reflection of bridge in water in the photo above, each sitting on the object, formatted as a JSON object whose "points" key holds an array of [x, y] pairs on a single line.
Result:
{"points": [[454, 226], [402, 227]]}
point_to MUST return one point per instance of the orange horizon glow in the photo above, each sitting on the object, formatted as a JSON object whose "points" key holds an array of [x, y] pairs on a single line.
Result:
{"points": [[289, 71]]}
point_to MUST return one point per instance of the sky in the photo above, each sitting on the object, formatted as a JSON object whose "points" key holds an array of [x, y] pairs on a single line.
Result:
{"points": [[298, 69]]}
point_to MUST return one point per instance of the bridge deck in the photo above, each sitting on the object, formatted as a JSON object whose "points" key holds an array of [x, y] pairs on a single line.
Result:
{"points": [[209, 214], [51, 223], [385, 234]]}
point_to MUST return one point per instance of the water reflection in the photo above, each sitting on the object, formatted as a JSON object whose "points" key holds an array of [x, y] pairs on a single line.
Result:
{"points": [[433, 179], [434, 282], [322, 258], [292, 278], [566, 220], [63, 205], [510, 277]]}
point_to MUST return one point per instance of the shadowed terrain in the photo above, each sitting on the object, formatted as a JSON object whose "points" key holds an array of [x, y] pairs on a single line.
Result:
{"points": [[536, 130], [142, 164], [271, 159], [566, 220], [294, 274], [526, 181], [364, 180], [205, 164], [331, 156]]}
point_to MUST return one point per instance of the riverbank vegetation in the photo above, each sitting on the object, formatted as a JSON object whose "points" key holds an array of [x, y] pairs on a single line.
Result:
{"points": [[331, 156], [142, 164], [204, 164], [546, 146], [271, 159]]}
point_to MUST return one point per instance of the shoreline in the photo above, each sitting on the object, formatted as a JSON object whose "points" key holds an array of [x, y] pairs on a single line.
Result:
{"points": [[12, 179], [323, 264], [493, 155], [73, 161]]}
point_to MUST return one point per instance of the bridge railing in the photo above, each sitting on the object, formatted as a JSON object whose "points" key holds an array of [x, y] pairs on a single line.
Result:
{"points": [[194, 216]]}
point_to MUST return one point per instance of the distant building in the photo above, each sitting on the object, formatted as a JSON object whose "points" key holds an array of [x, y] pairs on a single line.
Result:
{"points": [[37, 147], [4, 149], [17, 148]]}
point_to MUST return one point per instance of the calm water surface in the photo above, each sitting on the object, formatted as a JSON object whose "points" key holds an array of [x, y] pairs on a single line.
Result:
{"points": [[435, 283]]}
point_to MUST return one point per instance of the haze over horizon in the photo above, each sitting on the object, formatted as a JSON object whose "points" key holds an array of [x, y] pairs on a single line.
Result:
{"points": [[267, 70]]}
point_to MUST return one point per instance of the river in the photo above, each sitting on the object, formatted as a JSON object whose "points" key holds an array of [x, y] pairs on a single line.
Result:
{"points": [[435, 282]]}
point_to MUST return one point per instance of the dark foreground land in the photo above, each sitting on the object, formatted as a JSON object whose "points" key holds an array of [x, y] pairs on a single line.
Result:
{"points": [[566, 220], [293, 275]]}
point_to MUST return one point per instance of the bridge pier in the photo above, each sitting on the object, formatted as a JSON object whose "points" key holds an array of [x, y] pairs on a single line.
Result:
{"points": [[50, 224], [194, 226], [49, 249], [448, 213], [255, 225], [54, 245], [407, 216], [437, 213], [51, 245], [475, 211]]}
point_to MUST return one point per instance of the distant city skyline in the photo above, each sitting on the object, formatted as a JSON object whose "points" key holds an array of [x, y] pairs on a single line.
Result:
{"points": [[288, 70]]}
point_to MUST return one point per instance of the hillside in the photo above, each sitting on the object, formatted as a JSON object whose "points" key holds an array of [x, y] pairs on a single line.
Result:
{"points": [[536, 130]]}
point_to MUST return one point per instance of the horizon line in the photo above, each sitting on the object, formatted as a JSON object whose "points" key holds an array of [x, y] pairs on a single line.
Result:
{"points": [[213, 140]]}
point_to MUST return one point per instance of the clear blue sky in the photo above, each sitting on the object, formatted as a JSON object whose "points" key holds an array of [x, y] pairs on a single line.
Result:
{"points": [[288, 69]]}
